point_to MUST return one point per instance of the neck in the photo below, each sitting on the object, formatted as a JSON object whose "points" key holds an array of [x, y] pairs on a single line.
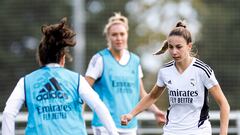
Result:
{"points": [[183, 65], [117, 54], [62, 61]]}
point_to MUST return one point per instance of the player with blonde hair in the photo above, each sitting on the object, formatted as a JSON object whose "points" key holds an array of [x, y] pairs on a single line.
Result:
{"points": [[116, 75]]}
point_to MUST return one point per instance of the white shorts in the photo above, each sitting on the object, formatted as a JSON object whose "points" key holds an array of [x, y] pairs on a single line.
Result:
{"points": [[103, 131], [205, 129]]}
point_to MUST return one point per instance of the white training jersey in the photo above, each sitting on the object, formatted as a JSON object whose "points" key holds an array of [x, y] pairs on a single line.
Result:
{"points": [[188, 97]]}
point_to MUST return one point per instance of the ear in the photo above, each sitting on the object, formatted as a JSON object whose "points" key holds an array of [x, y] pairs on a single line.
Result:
{"points": [[108, 39], [62, 61], [190, 46], [43, 29]]}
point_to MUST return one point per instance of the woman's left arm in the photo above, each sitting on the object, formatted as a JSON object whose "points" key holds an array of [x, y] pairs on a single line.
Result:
{"points": [[95, 103], [222, 102]]}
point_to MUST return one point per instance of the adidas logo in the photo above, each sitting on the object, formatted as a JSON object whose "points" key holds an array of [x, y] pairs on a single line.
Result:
{"points": [[51, 90], [169, 82]]}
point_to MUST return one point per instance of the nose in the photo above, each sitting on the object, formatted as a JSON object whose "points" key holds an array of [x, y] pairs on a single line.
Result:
{"points": [[174, 51], [119, 37]]}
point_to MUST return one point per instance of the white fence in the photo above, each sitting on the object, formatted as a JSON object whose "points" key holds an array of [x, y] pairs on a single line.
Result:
{"points": [[152, 129]]}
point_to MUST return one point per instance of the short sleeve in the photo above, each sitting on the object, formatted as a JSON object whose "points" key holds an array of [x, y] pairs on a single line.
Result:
{"points": [[160, 81], [95, 67], [209, 79], [140, 71]]}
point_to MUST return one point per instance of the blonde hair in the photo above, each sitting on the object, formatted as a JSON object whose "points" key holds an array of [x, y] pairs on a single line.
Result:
{"points": [[116, 19]]}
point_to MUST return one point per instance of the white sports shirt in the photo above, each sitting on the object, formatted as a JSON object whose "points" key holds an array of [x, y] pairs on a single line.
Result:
{"points": [[17, 98], [188, 97]]}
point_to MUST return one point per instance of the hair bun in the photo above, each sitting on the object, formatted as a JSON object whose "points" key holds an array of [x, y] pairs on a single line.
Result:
{"points": [[181, 24]]}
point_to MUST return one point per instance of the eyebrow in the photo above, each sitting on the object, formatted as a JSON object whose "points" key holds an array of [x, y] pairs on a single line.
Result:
{"points": [[174, 45]]}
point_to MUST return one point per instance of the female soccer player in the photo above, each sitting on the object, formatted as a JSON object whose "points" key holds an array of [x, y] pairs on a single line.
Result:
{"points": [[115, 74], [53, 94], [188, 81]]}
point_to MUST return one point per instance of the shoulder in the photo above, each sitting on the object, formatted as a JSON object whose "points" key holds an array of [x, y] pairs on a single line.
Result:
{"points": [[103, 52], [135, 56], [166, 68], [70, 71], [132, 53], [168, 65], [203, 67], [96, 58], [35, 72]]}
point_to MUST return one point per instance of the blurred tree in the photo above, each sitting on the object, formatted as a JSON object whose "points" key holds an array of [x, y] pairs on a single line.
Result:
{"points": [[98, 12], [150, 22], [19, 36], [218, 44]]}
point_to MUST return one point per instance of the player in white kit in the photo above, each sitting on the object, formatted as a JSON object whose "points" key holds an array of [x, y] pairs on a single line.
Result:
{"points": [[188, 81]]}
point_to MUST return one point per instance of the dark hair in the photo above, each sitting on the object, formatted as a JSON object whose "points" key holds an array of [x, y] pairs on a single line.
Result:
{"points": [[180, 30], [55, 42]]}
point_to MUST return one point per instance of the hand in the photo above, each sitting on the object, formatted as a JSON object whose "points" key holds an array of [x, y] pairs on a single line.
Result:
{"points": [[126, 118], [160, 117]]}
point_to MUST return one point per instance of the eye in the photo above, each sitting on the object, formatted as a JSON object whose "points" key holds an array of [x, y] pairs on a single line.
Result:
{"points": [[114, 34], [122, 34], [121, 19], [179, 47], [170, 46]]}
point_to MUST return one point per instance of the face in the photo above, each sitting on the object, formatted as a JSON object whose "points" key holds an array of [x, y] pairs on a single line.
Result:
{"points": [[178, 48], [117, 37]]}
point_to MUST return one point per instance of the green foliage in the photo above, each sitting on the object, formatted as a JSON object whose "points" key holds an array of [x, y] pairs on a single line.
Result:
{"points": [[21, 21], [218, 45], [217, 41]]}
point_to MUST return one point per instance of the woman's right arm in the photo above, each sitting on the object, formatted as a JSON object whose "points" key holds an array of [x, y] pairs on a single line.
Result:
{"points": [[145, 103], [13, 105]]}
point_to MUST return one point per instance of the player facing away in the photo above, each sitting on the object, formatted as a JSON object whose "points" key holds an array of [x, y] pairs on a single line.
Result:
{"points": [[115, 73], [188, 81], [53, 94]]}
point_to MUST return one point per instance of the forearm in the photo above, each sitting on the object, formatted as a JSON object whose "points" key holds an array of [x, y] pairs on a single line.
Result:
{"points": [[153, 108], [224, 119], [8, 124], [145, 103], [13, 105], [94, 102], [222, 102], [106, 118]]}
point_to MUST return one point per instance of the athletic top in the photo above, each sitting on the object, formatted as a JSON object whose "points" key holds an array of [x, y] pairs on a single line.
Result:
{"points": [[188, 96], [95, 67], [118, 87], [54, 103]]}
